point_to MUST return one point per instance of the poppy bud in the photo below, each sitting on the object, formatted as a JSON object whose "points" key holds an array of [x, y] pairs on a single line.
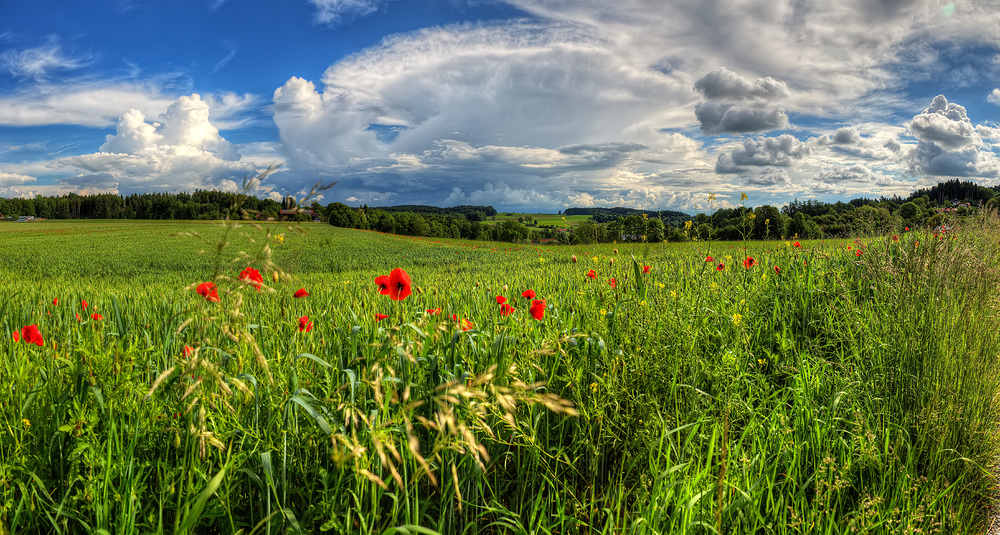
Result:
{"points": [[574, 258], [274, 276]]}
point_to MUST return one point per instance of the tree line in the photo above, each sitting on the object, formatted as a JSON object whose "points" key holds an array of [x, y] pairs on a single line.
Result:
{"points": [[202, 204], [811, 219]]}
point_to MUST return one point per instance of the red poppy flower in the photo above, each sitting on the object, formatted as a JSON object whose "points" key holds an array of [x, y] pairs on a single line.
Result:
{"points": [[188, 350], [433, 311], [252, 277], [84, 304], [55, 301], [96, 317], [537, 309], [645, 269], [613, 283], [17, 336], [506, 309], [399, 285], [454, 317], [305, 324], [749, 262], [906, 229], [31, 335], [857, 253], [777, 270], [796, 244], [380, 317], [208, 291], [592, 274], [501, 299], [466, 325], [301, 293], [383, 284], [528, 294], [895, 237], [78, 317], [720, 267], [709, 258]]}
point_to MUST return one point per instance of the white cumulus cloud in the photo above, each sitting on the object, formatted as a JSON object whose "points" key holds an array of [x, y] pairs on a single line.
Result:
{"points": [[534, 107], [182, 151], [948, 144]]}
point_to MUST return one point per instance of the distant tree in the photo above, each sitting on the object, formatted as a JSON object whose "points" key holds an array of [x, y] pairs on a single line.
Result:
{"points": [[587, 232], [512, 231], [654, 231], [909, 212], [768, 223]]}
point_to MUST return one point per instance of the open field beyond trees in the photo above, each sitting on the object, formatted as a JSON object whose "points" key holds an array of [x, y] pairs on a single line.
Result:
{"points": [[777, 387]]}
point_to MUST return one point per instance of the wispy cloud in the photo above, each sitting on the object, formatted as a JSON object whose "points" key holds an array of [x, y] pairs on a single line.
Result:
{"points": [[41, 63], [232, 48], [335, 11]]}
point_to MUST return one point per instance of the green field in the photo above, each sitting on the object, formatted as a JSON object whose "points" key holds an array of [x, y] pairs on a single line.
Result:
{"points": [[554, 220], [832, 387]]}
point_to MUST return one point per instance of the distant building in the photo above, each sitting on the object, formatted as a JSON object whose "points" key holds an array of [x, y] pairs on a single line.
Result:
{"points": [[286, 215]]}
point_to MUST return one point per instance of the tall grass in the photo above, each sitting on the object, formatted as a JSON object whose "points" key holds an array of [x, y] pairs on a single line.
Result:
{"points": [[840, 393]]}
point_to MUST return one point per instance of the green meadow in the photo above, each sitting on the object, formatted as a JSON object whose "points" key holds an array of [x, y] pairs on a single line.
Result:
{"points": [[779, 387], [554, 220]]}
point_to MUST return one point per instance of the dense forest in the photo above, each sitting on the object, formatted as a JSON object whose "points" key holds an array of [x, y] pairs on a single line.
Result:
{"points": [[198, 205], [929, 207]]}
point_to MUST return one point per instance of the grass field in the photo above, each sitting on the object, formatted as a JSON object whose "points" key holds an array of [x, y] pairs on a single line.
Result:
{"points": [[554, 220], [830, 387]]}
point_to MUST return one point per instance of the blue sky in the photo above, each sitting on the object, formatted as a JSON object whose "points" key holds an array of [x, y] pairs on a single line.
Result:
{"points": [[534, 105]]}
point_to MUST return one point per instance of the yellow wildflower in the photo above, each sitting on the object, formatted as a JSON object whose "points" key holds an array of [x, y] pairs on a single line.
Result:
{"points": [[743, 197], [26, 422], [711, 196], [737, 318], [604, 312]]}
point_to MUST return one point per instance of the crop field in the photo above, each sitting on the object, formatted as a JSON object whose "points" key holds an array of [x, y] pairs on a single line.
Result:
{"points": [[175, 377]]}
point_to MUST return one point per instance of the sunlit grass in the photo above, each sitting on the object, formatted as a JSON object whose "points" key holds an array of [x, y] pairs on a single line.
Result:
{"points": [[839, 393]]}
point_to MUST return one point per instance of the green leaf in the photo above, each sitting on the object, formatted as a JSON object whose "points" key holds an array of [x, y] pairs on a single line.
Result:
{"points": [[199, 504]]}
